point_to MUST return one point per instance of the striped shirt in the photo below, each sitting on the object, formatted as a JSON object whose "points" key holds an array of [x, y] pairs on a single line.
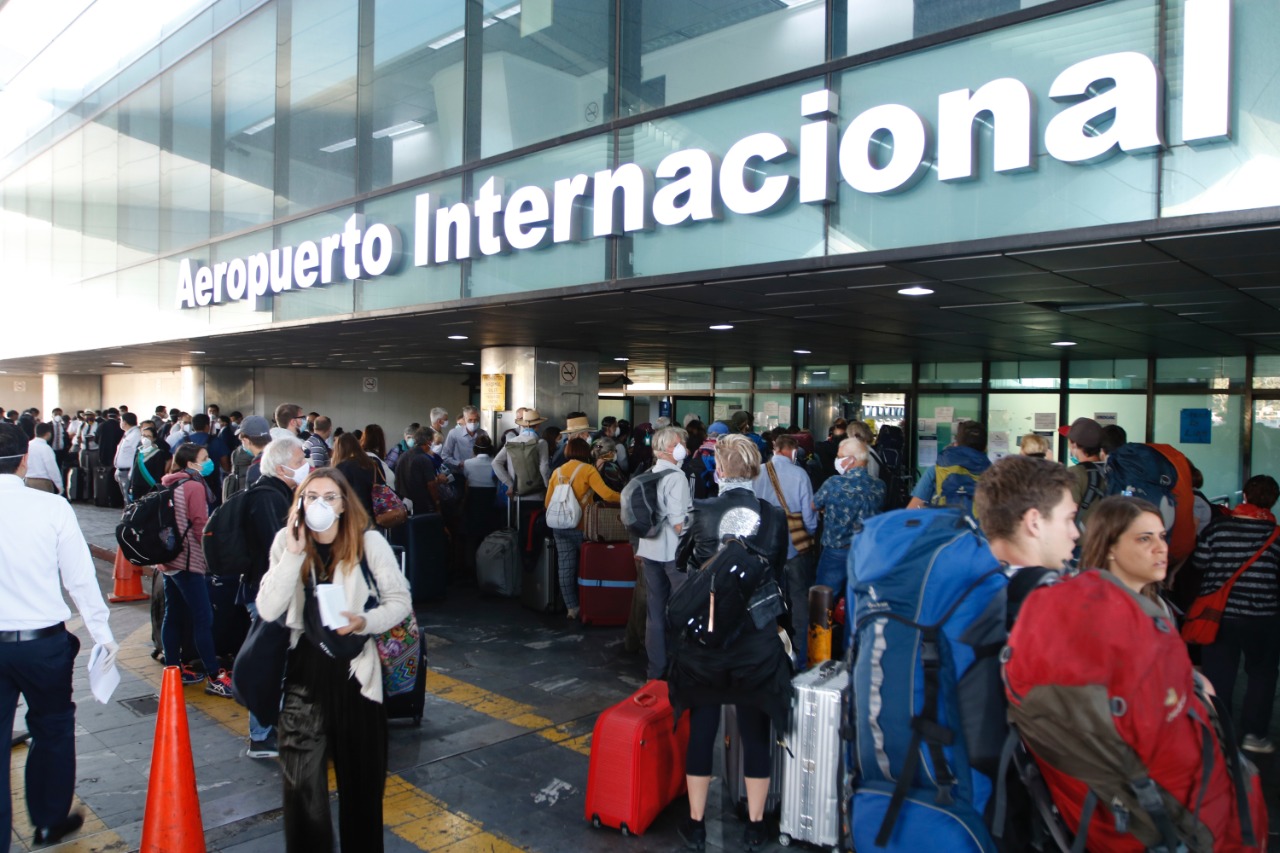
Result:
{"points": [[1225, 547]]}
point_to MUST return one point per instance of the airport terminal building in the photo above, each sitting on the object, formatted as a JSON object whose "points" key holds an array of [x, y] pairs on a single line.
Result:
{"points": [[907, 210]]}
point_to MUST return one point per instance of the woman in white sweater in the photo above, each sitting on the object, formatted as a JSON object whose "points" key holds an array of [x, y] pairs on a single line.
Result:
{"points": [[333, 682]]}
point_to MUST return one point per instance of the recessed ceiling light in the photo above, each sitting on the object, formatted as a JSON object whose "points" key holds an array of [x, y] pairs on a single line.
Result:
{"points": [[1063, 344], [117, 364], [457, 337], [468, 364], [819, 373], [721, 327], [915, 291], [196, 351], [802, 352], [622, 359]]}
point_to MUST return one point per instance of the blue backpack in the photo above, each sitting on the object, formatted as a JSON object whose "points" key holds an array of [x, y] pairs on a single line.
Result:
{"points": [[928, 600], [958, 471]]}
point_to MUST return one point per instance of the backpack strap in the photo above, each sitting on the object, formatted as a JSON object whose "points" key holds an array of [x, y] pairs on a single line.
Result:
{"points": [[1093, 488], [1086, 818], [146, 475], [777, 487]]}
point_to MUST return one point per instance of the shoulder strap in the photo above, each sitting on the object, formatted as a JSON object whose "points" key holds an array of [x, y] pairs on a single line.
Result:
{"points": [[146, 475], [777, 487], [1275, 533]]}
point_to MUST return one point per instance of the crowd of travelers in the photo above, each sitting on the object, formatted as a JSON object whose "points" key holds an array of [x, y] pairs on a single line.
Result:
{"points": [[319, 498]]}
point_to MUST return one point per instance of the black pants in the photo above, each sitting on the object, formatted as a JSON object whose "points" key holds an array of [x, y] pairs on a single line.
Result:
{"points": [[324, 716], [1259, 641], [753, 727], [41, 671]]}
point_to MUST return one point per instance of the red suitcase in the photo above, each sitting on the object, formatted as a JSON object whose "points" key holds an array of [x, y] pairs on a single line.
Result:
{"points": [[606, 582], [637, 761]]}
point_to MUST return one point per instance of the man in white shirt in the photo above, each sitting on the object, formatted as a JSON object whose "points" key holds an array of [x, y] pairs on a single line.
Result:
{"points": [[461, 442], [127, 451], [42, 464], [658, 553], [41, 551]]}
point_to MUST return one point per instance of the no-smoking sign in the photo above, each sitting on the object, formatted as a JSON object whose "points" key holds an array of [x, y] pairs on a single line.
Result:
{"points": [[568, 373]]}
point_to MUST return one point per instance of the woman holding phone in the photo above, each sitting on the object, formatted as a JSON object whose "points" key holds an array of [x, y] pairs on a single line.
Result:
{"points": [[333, 681]]}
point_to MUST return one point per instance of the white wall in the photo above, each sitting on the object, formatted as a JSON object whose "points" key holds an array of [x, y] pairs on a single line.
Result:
{"points": [[32, 393], [142, 392], [400, 399]]}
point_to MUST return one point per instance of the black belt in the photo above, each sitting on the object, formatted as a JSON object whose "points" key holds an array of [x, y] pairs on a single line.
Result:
{"points": [[35, 634]]}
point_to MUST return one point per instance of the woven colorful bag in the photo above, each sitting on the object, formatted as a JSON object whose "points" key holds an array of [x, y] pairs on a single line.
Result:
{"points": [[399, 649]]}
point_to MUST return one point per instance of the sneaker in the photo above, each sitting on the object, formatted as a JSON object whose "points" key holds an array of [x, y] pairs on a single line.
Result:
{"points": [[572, 613], [694, 834], [753, 837], [219, 686], [265, 748], [1253, 743], [190, 676]]}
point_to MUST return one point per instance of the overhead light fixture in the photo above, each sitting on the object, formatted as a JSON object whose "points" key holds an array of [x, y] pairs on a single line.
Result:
{"points": [[260, 126], [1063, 344], [457, 337], [196, 351], [340, 146], [721, 327], [456, 35], [117, 364], [802, 352], [468, 364], [398, 129], [917, 290], [622, 359], [818, 373], [1098, 306]]}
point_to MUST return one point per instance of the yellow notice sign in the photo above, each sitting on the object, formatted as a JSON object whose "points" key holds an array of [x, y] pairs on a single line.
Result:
{"points": [[493, 392]]}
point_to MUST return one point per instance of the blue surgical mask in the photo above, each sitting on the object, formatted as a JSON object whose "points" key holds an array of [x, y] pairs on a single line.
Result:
{"points": [[206, 468], [1074, 460]]}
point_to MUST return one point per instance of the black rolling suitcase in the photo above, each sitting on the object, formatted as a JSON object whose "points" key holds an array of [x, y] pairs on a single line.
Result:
{"points": [[77, 484], [189, 655], [408, 706], [540, 589], [230, 620], [106, 491], [426, 548]]}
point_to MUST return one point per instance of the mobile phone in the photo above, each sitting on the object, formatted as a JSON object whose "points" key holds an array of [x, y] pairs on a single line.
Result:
{"points": [[301, 514]]}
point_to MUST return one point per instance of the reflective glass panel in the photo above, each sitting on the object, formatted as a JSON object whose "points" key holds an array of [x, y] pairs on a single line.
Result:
{"points": [[1011, 416], [322, 103], [68, 208], [417, 89], [690, 377], [675, 50], [932, 434], [773, 377], [960, 373], [1266, 372], [884, 374], [1266, 437], [245, 75], [1026, 374], [870, 24], [545, 70], [184, 164], [318, 300], [1128, 411], [1212, 372], [772, 411], [138, 162], [1120, 374], [823, 376], [1219, 458], [733, 377], [411, 285]]}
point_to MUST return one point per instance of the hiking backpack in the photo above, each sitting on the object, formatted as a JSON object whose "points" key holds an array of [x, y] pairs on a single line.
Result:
{"points": [[958, 471], [711, 607], [1162, 475], [640, 511], [525, 459], [890, 448], [929, 610], [1133, 755], [148, 530], [226, 548]]}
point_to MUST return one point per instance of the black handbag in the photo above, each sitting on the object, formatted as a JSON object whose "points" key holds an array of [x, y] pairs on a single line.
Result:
{"points": [[257, 680]]}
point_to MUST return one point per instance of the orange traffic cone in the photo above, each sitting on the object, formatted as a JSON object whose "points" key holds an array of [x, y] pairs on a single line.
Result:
{"points": [[128, 581], [171, 822]]}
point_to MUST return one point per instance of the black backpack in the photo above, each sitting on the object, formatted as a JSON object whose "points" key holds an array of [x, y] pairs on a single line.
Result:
{"points": [[890, 450], [711, 607], [148, 530], [225, 545]]}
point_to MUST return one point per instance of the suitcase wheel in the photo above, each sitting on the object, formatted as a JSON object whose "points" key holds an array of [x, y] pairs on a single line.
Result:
{"points": [[784, 840], [595, 821], [626, 831]]}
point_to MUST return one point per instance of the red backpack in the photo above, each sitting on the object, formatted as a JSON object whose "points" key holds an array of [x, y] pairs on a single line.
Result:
{"points": [[1102, 693]]}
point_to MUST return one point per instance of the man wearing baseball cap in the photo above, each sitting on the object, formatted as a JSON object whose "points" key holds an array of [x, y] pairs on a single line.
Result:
{"points": [[1088, 482]]}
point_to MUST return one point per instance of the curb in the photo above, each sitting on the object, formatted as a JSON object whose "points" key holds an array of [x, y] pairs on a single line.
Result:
{"points": [[100, 553]]}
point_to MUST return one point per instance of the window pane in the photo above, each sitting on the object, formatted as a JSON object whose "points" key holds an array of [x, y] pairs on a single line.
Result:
{"points": [[884, 409], [1120, 373], [674, 50], [317, 300], [68, 208], [772, 411], [877, 23], [773, 377], [1011, 416], [1219, 460], [139, 176], [733, 377], [246, 58], [1266, 438], [960, 373], [1129, 411], [1266, 371], [823, 376], [545, 74], [100, 176], [964, 408], [1026, 374], [184, 168], [1217, 373], [726, 406], [322, 103], [412, 285], [417, 89], [691, 377], [884, 374]]}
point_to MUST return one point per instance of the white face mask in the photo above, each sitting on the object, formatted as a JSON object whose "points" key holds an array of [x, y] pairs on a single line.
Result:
{"points": [[146, 443], [435, 448], [186, 428], [320, 516], [472, 427], [845, 464], [679, 452], [299, 474]]}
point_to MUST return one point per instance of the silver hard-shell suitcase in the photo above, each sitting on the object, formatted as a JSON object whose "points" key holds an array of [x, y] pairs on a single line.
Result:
{"points": [[734, 779], [811, 765]]}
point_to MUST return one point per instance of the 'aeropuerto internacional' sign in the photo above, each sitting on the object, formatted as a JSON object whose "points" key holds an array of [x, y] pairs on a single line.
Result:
{"points": [[1110, 105]]}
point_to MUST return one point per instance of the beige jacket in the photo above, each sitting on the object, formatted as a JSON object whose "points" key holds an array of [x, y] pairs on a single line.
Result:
{"points": [[281, 592]]}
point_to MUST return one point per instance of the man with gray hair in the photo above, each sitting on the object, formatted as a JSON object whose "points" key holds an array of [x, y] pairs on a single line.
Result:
{"points": [[460, 445], [439, 420], [658, 553], [266, 509], [845, 499]]}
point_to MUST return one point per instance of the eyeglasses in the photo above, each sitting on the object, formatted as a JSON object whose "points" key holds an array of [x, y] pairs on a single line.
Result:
{"points": [[331, 498]]}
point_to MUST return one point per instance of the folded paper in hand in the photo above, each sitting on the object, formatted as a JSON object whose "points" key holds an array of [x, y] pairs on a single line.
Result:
{"points": [[332, 600], [103, 675]]}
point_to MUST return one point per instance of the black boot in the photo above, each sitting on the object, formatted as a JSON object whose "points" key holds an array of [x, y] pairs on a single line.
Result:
{"points": [[754, 836], [694, 833]]}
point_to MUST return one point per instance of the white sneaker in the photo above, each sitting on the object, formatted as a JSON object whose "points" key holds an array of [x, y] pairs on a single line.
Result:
{"points": [[1253, 743], [572, 613]]}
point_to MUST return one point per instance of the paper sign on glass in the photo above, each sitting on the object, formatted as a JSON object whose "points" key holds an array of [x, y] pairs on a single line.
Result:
{"points": [[927, 451], [944, 413], [1046, 420], [1105, 418]]}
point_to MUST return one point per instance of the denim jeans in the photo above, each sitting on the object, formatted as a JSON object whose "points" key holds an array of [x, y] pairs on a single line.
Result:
{"points": [[257, 731], [186, 599], [833, 571]]}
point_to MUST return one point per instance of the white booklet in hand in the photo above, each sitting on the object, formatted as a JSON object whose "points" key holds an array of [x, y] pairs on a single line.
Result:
{"points": [[332, 600], [103, 675]]}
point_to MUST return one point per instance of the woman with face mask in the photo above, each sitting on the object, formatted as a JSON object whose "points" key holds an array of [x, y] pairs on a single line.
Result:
{"points": [[150, 465], [333, 680], [186, 595]]}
